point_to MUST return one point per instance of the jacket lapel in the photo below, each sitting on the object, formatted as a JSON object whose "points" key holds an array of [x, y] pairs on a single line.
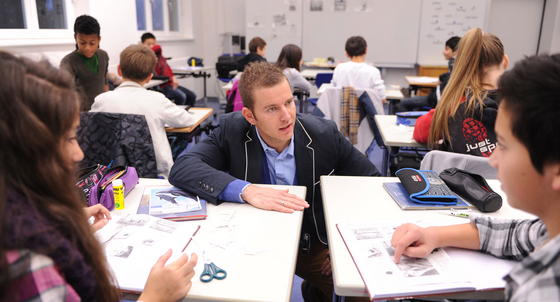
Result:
{"points": [[253, 156], [305, 157]]}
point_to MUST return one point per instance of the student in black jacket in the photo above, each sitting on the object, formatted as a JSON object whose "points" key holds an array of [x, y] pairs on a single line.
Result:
{"points": [[257, 49]]}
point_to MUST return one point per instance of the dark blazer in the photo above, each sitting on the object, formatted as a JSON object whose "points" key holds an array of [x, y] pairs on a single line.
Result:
{"points": [[233, 151]]}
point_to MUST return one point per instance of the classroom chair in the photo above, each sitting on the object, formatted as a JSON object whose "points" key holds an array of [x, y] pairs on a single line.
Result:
{"points": [[321, 79], [440, 160], [369, 104], [119, 140]]}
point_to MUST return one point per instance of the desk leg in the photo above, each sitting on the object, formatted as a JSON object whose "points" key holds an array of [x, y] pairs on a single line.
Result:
{"points": [[385, 164], [205, 97]]}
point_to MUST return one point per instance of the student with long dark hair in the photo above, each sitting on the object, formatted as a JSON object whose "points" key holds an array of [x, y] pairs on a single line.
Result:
{"points": [[47, 248], [290, 61]]}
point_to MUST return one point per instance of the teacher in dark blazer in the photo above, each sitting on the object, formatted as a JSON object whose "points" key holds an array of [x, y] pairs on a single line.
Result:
{"points": [[268, 143]]}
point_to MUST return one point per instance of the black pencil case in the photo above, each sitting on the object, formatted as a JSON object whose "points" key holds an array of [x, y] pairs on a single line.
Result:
{"points": [[473, 188]]}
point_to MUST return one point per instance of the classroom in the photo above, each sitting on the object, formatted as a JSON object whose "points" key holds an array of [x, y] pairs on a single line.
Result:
{"points": [[313, 225]]}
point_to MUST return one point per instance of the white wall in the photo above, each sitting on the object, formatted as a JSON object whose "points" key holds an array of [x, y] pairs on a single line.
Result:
{"points": [[550, 39]]}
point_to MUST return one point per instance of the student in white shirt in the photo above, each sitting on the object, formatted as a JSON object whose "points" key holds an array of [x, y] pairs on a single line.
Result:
{"points": [[290, 61], [136, 65], [356, 73]]}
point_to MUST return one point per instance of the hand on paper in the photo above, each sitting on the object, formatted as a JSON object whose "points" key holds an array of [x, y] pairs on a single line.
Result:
{"points": [[169, 282], [100, 214], [175, 83], [413, 241], [271, 199], [326, 269]]}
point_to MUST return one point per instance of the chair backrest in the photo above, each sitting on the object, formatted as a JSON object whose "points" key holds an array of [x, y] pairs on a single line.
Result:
{"points": [[123, 139], [369, 104], [440, 160], [323, 78]]}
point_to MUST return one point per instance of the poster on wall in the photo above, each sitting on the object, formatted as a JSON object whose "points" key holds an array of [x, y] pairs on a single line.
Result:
{"points": [[316, 6], [363, 7], [339, 5]]}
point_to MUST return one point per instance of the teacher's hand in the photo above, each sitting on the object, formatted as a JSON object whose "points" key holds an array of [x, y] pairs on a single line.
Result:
{"points": [[273, 199]]}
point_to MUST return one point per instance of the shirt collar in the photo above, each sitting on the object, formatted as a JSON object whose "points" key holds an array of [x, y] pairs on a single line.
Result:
{"points": [[288, 151], [129, 84]]}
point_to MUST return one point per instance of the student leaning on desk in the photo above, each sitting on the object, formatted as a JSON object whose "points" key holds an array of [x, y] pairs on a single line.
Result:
{"points": [[528, 164], [47, 248], [268, 143]]}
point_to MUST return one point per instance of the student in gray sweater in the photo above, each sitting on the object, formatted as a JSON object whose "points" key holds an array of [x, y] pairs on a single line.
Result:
{"points": [[88, 64]]}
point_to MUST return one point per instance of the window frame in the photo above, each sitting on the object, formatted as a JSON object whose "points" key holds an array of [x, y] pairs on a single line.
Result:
{"points": [[11, 36], [184, 13]]}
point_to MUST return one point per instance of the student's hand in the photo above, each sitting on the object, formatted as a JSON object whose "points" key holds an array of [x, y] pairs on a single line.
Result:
{"points": [[271, 199], [175, 83], [413, 241], [326, 269], [100, 214], [384, 100], [171, 282]]}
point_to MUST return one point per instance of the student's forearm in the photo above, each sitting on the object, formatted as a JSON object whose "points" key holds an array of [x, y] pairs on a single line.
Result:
{"points": [[461, 236]]}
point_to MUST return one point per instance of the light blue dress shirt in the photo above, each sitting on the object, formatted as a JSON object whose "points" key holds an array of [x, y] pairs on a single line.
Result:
{"points": [[281, 166]]}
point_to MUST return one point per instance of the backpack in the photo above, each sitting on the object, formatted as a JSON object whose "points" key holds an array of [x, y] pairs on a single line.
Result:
{"points": [[234, 102]]}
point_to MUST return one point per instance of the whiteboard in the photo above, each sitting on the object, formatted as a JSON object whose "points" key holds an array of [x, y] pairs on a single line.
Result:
{"points": [[278, 22], [443, 19], [390, 28]]}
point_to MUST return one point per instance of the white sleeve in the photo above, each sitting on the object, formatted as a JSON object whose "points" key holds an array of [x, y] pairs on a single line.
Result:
{"points": [[175, 116], [379, 84], [297, 80]]}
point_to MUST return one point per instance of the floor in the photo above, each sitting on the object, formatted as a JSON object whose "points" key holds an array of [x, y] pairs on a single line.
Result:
{"points": [[375, 155]]}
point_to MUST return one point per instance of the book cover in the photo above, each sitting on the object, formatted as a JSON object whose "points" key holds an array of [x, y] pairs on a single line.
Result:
{"points": [[171, 203], [402, 198]]}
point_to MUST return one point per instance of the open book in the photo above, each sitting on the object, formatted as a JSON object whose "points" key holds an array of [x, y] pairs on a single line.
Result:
{"points": [[446, 270], [134, 243]]}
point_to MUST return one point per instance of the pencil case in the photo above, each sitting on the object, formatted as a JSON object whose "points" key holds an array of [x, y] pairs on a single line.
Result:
{"points": [[473, 188], [88, 177], [102, 192], [426, 187]]}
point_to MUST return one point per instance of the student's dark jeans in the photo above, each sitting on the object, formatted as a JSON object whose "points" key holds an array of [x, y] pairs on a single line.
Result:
{"points": [[180, 96], [410, 104]]}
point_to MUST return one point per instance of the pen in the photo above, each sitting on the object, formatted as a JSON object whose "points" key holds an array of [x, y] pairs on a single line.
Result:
{"points": [[460, 214]]}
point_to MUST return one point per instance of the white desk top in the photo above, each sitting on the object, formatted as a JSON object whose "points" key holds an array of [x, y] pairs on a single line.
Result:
{"points": [[396, 135], [392, 94], [367, 200], [227, 86], [153, 83], [182, 69], [260, 277], [199, 115], [312, 73]]}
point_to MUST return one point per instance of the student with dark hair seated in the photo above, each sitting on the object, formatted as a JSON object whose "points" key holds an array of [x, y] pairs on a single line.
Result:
{"points": [[257, 50], [48, 251], [528, 164], [432, 99], [356, 73], [136, 65], [290, 61], [88, 64], [178, 94]]}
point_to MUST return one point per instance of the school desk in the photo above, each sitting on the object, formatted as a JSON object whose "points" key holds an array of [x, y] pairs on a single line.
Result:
{"points": [[367, 200], [263, 276], [199, 114], [153, 83], [394, 135], [311, 74], [421, 82], [392, 94], [195, 72]]}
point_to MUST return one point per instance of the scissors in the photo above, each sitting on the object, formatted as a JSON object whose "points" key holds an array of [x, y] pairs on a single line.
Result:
{"points": [[211, 271]]}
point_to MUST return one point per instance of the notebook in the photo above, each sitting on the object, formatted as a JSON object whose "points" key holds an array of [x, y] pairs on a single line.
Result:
{"points": [[402, 198], [425, 186], [171, 203]]}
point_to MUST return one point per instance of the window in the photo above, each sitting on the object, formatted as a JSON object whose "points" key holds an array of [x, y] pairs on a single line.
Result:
{"points": [[163, 17], [35, 19]]}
